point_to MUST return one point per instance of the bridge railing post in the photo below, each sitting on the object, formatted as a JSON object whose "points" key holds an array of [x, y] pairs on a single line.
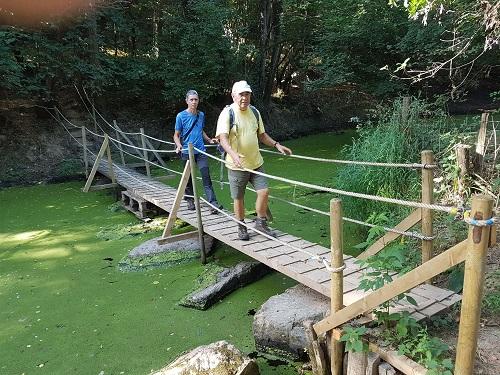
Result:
{"points": [[192, 162], [120, 148], [475, 259], [146, 158], [337, 285], [428, 198]]}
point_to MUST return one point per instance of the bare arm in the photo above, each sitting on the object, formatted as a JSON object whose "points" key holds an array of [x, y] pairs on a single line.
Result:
{"points": [[268, 141], [224, 142], [208, 139], [177, 140]]}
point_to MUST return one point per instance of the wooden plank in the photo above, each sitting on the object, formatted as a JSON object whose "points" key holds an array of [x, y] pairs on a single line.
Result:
{"points": [[404, 225], [178, 237], [433, 267]]}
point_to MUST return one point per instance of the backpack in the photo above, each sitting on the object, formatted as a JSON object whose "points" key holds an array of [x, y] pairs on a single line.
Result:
{"points": [[255, 111]]}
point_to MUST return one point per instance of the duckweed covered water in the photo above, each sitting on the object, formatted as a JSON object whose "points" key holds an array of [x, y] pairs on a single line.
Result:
{"points": [[66, 308]]}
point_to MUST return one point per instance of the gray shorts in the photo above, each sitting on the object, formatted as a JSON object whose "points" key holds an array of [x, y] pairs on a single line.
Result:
{"points": [[238, 181]]}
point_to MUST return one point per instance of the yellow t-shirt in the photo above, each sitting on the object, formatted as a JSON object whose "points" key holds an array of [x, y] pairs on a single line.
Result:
{"points": [[243, 137]]}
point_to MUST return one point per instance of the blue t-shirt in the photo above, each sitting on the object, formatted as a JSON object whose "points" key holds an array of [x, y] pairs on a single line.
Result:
{"points": [[185, 121]]}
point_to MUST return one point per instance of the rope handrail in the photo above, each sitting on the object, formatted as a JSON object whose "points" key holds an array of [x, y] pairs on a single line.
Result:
{"points": [[342, 192], [141, 148], [355, 162]]}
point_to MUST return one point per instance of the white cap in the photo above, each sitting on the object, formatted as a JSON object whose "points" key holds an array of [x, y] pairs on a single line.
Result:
{"points": [[241, 86]]}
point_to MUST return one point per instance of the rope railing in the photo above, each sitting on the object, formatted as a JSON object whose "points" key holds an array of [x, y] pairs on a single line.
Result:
{"points": [[343, 192], [354, 162]]}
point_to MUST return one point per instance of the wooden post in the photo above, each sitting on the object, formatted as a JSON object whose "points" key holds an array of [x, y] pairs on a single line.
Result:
{"points": [[146, 159], [427, 197], [85, 156], [119, 144], [197, 203], [463, 161], [337, 287], [475, 259], [481, 142], [110, 163], [93, 116], [104, 148]]}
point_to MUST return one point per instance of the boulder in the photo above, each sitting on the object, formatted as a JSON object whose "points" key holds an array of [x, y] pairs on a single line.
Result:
{"points": [[278, 326], [227, 281], [218, 358]]}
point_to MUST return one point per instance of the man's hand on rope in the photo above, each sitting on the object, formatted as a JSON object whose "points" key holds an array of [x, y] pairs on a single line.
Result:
{"points": [[283, 149], [178, 149]]}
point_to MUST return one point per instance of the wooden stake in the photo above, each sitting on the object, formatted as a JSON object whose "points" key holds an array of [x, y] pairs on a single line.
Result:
{"points": [[167, 231], [160, 159], [146, 158], [477, 245], [85, 156], [197, 203], [481, 142], [462, 154], [337, 287], [129, 141], [119, 144], [427, 197]]}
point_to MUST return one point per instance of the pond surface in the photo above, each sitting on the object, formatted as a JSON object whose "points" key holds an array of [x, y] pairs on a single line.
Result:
{"points": [[66, 308]]}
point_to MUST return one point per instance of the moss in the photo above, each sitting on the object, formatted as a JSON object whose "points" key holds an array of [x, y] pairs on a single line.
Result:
{"points": [[162, 260]]}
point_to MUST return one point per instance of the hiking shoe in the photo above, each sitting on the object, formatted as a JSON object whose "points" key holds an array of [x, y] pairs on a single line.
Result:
{"points": [[261, 225], [215, 211], [243, 233], [191, 206]]}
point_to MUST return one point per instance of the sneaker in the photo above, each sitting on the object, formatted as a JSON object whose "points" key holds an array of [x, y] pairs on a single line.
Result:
{"points": [[215, 211], [261, 225], [191, 206], [243, 233]]}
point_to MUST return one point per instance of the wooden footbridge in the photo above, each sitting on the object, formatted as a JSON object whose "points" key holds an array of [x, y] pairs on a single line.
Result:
{"points": [[329, 271]]}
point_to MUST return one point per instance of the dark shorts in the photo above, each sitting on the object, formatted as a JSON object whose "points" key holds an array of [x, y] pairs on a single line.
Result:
{"points": [[238, 181]]}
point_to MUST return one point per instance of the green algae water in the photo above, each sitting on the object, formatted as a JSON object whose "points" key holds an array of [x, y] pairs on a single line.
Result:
{"points": [[66, 307]]}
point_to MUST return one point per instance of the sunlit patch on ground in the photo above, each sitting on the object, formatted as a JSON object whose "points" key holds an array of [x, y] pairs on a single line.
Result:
{"points": [[28, 236]]}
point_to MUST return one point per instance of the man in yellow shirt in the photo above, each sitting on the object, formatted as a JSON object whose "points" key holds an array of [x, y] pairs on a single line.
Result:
{"points": [[240, 140]]}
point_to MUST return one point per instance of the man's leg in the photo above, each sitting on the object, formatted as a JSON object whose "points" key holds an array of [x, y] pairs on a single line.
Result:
{"points": [[237, 184], [189, 188], [202, 161], [261, 204]]}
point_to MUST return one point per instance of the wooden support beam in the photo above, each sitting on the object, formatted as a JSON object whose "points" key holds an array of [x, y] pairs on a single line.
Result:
{"points": [[197, 204], [167, 231], [481, 142], [417, 276], [382, 242], [475, 264], [110, 164], [178, 237], [103, 186], [337, 285], [100, 154]]}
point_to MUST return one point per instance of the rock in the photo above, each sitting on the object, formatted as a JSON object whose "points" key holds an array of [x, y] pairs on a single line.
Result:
{"points": [[228, 280], [278, 325], [152, 247], [386, 369], [219, 358]]}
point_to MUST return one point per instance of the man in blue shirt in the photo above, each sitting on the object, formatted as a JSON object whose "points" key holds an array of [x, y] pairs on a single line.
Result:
{"points": [[189, 129]]}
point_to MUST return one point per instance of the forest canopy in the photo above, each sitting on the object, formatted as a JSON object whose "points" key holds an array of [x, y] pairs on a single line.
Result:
{"points": [[157, 49]]}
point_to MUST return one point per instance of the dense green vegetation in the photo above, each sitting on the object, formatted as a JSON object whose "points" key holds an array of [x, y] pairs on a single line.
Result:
{"points": [[154, 50]]}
